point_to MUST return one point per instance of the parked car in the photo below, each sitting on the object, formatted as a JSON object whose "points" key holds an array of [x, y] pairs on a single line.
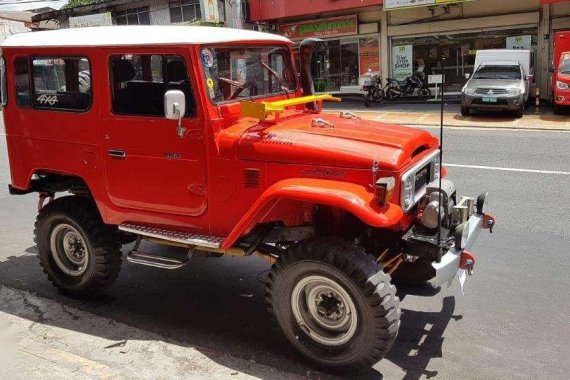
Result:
{"points": [[497, 86], [201, 138], [560, 70]]}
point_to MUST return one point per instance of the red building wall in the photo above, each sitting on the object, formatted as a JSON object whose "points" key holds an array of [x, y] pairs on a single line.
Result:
{"points": [[262, 10]]}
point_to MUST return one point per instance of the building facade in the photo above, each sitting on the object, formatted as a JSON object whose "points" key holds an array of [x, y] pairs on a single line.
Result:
{"points": [[141, 12], [399, 37]]}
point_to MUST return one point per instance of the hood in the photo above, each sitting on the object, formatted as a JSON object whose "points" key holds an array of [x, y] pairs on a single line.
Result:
{"points": [[351, 143], [494, 83]]}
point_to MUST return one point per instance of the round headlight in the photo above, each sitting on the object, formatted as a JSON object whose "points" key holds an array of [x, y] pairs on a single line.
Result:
{"points": [[462, 236]]}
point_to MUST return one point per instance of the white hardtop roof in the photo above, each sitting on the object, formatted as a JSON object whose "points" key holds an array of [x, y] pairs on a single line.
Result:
{"points": [[138, 35], [500, 63]]}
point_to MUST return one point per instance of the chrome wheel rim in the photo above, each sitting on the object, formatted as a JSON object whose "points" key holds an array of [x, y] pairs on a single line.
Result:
{"points": [[69, 250], [324, 310]]}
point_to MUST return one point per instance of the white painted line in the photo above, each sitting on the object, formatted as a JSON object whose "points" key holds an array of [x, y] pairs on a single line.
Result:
{"points": [[492, 129], [506, 169]]}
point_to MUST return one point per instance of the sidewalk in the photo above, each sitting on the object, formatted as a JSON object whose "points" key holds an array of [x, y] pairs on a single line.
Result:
{"points": [[429, 115], [41, 339]]}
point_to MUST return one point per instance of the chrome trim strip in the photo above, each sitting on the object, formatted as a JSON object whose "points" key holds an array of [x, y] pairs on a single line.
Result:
{"points": [[413, 170], [446, 269]]}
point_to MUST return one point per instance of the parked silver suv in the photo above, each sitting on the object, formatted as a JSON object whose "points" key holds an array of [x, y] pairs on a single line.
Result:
{"points": [[496, 86]]}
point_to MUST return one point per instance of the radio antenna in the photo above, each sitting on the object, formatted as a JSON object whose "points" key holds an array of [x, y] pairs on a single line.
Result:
{"points": [[441, 150]]}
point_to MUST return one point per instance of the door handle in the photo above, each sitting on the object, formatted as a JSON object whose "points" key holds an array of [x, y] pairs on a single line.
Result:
{"points": [[118, 153]]}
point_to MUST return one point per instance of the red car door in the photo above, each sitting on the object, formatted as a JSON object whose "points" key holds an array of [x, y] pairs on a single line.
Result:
{"points": [[149, 167]]}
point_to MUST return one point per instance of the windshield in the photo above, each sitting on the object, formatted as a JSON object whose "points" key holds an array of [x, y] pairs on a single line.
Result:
{"points": [[244, 72], [565, 64], [498, 72]]}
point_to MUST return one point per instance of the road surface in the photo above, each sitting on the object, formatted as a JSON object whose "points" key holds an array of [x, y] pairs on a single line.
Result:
{"points": [[513, 322]]}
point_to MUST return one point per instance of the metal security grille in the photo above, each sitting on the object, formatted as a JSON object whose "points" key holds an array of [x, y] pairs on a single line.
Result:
{"points": [[184, 10], [135, 16]]}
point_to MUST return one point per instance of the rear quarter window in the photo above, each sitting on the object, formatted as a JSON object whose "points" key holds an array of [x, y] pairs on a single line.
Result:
{"points": [[3, 86], [61, 83]]}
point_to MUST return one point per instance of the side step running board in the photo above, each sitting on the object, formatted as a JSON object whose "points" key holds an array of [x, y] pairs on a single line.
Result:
{"points": [[172, 235], [138, 257]]}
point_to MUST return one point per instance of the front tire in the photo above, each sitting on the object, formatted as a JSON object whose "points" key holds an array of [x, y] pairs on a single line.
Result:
{"points": [[556, 109], [79, 253], [334, 303], [465, 111]]}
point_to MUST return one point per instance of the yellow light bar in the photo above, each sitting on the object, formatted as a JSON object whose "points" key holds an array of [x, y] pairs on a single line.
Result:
{"points": [[262, 110]]}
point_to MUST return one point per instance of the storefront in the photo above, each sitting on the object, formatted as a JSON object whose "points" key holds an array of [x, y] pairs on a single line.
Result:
{"points": [[423, 54], [420, 32], [351, 51]]}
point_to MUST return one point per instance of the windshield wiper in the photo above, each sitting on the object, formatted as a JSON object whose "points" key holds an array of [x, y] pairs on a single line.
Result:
{"points": [[278, 78], [240, 87]]}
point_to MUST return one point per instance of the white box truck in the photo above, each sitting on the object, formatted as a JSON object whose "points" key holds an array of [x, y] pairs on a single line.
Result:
{"points": [[523, 57]]}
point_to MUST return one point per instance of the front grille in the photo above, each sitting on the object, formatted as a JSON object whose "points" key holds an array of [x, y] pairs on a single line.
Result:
{"points": [[491, 91]]}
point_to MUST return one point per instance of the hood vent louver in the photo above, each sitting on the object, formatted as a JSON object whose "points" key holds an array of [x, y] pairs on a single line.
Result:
{"points": [[252, 178]]}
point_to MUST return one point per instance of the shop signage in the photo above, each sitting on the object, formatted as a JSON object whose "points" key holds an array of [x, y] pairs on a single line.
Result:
{"points": [[397, 4], [402, 57], [328, 27], [519, 42], [99, 19], [211, 11]]}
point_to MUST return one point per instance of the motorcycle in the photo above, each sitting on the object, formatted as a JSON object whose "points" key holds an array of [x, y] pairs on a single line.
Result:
{"points": [[373, 91], [413, 85]]}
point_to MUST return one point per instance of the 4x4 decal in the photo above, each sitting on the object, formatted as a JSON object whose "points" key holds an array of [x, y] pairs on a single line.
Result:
{"points": [[47, 99]]}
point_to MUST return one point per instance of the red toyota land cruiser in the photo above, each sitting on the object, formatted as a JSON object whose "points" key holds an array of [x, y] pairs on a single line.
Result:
{"points": [[203, 138]]}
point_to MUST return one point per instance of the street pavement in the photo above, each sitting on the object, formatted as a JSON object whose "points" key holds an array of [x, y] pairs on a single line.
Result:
{"points": [[427, 114], [512, 322]]}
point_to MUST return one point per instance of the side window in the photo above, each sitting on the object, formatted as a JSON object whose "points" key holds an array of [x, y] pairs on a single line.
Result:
{"points": [[61, 83], [22, 80], [139, 83]]}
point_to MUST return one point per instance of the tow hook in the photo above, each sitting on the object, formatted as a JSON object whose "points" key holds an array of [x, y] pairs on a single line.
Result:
{"points": [[489, 222], [467, 262]]}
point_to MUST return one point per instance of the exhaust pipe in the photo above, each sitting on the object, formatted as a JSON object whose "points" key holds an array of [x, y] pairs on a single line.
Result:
{"points": [[305, 56]]}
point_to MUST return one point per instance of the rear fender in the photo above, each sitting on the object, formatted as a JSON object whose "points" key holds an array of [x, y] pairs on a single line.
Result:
{"points": [[353, 198]]}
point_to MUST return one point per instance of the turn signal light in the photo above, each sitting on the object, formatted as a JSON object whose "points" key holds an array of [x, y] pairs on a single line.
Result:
{"points": [[385, 190]]}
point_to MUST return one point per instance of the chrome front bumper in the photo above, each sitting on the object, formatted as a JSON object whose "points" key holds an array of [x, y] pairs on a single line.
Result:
{"points": [[446, 269]]}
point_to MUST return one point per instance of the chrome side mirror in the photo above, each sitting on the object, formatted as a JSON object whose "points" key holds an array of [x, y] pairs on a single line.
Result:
{"points": [[175, 108], [467, 76]]}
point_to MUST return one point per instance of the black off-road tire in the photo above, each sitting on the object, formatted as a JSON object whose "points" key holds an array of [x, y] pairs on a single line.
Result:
{"points": [[102, 245], [413, 274], [376, 305]]}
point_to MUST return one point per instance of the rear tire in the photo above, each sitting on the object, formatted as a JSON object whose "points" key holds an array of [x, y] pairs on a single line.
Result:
{"points": [[465, 111], [79, 253], [334, 303]]}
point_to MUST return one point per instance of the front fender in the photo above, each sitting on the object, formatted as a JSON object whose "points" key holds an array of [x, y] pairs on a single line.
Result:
{"points": [[351, 197]]}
